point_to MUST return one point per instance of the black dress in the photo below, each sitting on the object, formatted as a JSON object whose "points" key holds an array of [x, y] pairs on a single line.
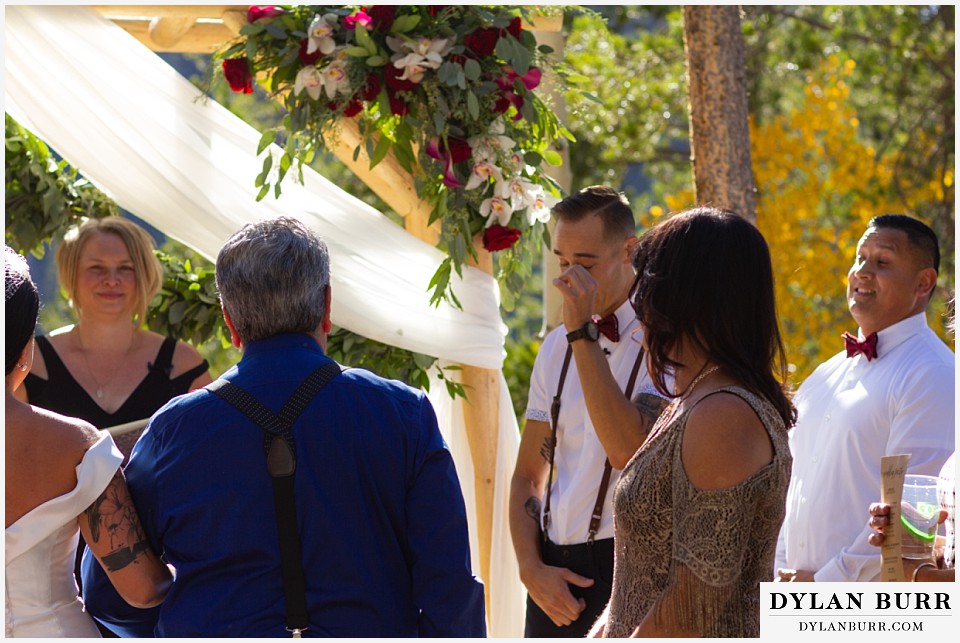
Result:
{"points": [[61, 394]]}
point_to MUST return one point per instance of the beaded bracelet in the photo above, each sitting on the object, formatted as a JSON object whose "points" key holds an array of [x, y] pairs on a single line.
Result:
{"points": [[913, 578]]}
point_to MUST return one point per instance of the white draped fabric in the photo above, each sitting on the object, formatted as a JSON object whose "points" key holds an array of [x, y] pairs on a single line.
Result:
{"points": [[137, 130]]}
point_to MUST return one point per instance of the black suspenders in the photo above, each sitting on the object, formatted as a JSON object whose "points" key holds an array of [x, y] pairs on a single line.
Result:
{"points": [[605, 479], [281, 456]]}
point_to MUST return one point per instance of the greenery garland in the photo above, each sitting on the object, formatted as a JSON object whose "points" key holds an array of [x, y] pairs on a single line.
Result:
{"points": [[449, 90]]}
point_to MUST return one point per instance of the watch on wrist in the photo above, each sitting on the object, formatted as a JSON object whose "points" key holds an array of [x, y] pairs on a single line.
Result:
{"points": [[589, 331]]}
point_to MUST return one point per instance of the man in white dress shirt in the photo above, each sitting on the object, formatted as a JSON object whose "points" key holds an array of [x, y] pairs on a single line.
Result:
{"points": [[563, 533], [890, 392]]}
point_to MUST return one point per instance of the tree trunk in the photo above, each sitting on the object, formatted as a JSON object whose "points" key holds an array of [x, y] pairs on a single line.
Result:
{"points": [[719, 131]]}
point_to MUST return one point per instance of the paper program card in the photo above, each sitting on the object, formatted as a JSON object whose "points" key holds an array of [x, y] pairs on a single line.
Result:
{"points": [[893, 469]]}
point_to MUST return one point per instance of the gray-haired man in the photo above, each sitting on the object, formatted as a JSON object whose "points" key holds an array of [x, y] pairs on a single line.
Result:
{"points": [[377, 506]]}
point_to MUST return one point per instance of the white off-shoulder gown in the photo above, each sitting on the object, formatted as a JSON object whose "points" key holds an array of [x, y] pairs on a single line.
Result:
{"points": [[41, 592]]}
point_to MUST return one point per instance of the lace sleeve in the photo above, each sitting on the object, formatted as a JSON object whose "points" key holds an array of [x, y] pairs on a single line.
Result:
{"points": [[713, 545]]}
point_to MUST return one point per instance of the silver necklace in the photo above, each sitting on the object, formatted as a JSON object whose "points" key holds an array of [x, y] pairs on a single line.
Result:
{"points": [[123, 360]]}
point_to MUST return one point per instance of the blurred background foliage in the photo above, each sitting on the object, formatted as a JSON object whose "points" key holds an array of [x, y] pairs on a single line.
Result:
{"points": [[852, 115]]}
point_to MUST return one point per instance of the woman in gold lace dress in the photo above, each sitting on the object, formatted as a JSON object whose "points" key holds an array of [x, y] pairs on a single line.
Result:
{"points": [[698, 508]]}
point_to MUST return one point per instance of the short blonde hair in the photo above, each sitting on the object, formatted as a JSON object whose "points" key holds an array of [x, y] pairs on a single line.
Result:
{"points": [[139, 244]]}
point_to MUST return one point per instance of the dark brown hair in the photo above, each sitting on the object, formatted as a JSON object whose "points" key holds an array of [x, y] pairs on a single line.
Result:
{"points": [[705, 274], [611, 206]]}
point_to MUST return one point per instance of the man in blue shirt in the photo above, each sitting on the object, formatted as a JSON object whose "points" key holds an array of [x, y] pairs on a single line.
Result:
{"points": [[379, 509]]}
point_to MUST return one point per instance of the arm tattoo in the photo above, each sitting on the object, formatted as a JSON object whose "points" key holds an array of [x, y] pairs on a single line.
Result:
{"points": [[113, 519], [546, 449], [532, 507], [650, 407]]}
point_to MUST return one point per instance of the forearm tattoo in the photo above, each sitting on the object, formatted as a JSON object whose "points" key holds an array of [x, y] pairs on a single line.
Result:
{"points": [[546, 449], [113, 520], [532, 507], [650, 407]]}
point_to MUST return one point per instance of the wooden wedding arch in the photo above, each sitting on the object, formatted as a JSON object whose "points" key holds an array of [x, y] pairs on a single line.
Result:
{"points": [[203, 29]]}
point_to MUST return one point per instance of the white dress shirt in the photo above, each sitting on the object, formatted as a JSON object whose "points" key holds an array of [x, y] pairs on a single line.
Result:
{"points": [[579, 454], [851, 412]]}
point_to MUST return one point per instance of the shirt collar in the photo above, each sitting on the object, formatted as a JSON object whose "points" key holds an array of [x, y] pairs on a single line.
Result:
{"points": [[284, 341], [625, 315], [891, 336]]}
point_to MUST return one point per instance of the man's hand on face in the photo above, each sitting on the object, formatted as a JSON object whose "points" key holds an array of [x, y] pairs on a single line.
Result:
{"points": [[580, 291]]}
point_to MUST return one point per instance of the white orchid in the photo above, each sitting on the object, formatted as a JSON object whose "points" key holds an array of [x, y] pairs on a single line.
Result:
{"points": [[320, 34], [516, 162], [481, 174], [539, 210], [415, 56], [489, 147], [520, 191], [308, 78], [496, 210], [334, 75]]}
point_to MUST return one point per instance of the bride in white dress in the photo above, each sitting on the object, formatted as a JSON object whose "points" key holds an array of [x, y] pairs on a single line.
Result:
{"points": [[62, 477]]}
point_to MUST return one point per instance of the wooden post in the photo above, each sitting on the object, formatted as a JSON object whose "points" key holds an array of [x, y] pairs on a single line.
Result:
{"points": [[481, 415], [552, 299], [719, 130]]}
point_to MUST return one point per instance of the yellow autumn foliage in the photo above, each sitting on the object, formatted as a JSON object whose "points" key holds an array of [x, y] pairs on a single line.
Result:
{"points": [[818, 185]]}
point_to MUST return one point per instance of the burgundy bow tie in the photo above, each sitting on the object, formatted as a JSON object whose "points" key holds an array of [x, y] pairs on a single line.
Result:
{"points": [[609, 327], [868, 346]]}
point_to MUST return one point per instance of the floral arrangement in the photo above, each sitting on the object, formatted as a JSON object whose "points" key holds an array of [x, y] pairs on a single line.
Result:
{"points": [[450, 91]]}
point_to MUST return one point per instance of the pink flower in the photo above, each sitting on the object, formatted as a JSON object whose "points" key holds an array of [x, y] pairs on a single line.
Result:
{"points": [[509, 96], [237, 73], [258, 12], [360, 17], [530, 79], [454, 151]]}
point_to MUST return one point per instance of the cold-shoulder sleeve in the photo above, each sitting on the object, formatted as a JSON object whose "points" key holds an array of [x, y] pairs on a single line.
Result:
{"points": [[95, 471]]}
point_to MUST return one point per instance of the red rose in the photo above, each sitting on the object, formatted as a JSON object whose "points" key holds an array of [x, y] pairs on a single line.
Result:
{"points": [[514, 28], [502, 105], [398, 106], [392, 77], [237, 73], [371, 88], [459, 149], [483, 41], [457, 58], [498, 237], [353, 108], [256, 12], [382, 16], [308, 59]]}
